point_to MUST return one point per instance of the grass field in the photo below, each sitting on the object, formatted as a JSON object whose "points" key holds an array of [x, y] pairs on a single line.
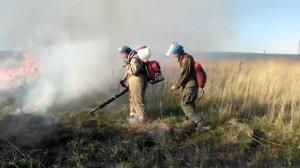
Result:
{"points": [[252, 107]]}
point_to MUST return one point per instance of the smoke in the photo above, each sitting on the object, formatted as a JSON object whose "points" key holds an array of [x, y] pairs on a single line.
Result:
{"points": [[75, 42], [70, 70]]}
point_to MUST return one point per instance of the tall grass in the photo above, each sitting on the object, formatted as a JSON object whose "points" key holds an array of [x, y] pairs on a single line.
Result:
{"points": [[266, 89], [253, 111]]}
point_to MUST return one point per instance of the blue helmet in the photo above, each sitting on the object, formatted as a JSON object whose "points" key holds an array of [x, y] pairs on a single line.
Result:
{"points": [[125, 49], [175, 48]]}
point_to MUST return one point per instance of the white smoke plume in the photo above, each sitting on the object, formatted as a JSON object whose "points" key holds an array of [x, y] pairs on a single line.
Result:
{"points": [[75, 42], [70, 70]]}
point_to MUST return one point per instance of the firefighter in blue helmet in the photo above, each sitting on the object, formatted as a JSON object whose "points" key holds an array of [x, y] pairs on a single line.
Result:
{"points": [[187, 82], [137, 84]]}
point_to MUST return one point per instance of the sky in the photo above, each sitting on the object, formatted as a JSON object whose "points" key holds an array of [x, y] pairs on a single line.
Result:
{"points": [[199, 25], [271, 25]]}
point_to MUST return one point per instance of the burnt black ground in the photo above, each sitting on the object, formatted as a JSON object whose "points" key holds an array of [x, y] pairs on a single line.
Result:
{"points": [[81, 140]]}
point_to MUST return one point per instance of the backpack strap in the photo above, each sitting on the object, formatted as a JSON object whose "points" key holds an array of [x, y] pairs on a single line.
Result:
{"points": [[144, 68]]}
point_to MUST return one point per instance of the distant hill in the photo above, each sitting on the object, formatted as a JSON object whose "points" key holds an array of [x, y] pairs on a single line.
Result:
{"points": [[10, 53], [230, 55], [239, 55], [201, 55]]}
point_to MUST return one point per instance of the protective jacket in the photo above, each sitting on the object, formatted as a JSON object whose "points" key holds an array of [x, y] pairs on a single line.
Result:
{"points": [[187, 77]]}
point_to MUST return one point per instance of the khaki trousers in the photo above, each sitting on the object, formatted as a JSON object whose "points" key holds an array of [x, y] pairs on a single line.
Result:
{"points": [[137, 89]]}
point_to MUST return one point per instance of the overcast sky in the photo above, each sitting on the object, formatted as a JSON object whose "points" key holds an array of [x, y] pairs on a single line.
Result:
{"points": [[200, 25]]}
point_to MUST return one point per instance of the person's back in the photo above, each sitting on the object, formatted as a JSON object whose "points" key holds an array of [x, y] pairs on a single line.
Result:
{"points": [[134, 66], [188, 74]]}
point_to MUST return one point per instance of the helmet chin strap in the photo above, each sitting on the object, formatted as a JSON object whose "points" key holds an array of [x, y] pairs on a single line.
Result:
{"points": [[179, 57]]}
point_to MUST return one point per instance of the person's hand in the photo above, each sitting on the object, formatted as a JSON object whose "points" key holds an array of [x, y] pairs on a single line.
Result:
{"points": [[172, 88], [122, 82], [125, 63]]}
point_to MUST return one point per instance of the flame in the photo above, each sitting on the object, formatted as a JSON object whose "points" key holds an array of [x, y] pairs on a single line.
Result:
{"points": [[27, 67]]}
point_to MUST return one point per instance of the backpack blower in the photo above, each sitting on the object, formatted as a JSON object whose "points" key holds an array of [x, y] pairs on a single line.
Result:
{"points": [[113, 98]]}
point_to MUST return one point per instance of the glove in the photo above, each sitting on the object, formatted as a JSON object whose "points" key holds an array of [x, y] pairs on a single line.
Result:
{"points": [[122, 82], [125, 63]]}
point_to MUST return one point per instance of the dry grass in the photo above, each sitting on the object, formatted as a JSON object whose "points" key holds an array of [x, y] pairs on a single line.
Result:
{"points": [[263, 88], [262, 93], [253, 111]]}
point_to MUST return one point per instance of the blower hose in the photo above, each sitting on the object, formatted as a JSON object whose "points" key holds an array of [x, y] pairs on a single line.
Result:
{"points": [[201, 94]]}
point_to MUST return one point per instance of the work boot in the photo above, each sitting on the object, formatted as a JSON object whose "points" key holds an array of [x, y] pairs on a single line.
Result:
{"points": [[188, 126], [201, 125], [134, 120]]}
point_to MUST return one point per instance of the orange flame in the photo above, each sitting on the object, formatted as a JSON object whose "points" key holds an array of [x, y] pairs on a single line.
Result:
{"points": [[28, 66]]}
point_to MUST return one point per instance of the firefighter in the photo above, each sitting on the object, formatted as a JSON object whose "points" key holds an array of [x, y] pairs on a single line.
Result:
{"points": [[137, 83], [187, 82]]}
